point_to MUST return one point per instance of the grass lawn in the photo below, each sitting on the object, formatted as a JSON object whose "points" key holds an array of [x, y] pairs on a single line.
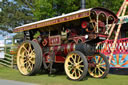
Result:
{"points": [[44, 79]]}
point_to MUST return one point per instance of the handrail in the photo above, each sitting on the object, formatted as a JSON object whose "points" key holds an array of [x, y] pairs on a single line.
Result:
{"points": [[121, 46]]}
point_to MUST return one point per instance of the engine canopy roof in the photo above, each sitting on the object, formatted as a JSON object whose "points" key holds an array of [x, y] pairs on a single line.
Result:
{"points": [[64, 18]]}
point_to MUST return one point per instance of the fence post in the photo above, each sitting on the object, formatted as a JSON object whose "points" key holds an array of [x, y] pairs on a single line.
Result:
{"points": [[12, 61]]}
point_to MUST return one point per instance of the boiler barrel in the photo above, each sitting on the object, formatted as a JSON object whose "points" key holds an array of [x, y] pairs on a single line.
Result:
{"points": [[86, 49]]}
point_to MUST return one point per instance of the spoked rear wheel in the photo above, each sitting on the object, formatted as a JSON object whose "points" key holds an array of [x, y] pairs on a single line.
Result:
{"points": [[76, 65], [99, 67], [29, 58]]}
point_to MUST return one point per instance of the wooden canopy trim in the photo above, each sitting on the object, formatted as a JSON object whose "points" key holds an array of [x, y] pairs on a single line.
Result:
{"points": [[55, 20]]}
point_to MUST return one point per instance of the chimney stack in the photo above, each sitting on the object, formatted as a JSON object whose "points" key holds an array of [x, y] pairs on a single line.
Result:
{"points": [[82, 4]]}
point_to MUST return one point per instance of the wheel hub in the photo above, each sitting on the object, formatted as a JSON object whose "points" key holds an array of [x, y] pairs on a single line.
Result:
{"points": [[97, 65], [76, 66]]}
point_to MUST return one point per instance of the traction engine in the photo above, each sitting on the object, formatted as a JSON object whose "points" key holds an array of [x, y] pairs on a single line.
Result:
{"points": [[69, 40]]}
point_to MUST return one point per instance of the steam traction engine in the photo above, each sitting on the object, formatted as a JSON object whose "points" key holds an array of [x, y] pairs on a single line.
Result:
{"points": [[68, 40]]}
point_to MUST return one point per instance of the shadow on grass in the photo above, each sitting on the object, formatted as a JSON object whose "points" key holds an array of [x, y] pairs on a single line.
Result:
{"points": [[61, 73]]}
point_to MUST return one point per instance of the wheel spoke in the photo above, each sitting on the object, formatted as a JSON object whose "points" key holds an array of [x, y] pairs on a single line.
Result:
{"points": [[80, 61], [71, 59], [25, 48], [98, 60], [79, 73], [100, 70], [95, 60], [71, 62], [31, 66], [32, 56], [28, 67], [25, 62], [32, 61], [103, 67], [30, 47], [75, 73], [95, 70], [81, 65], [102, 64], [22, 55], [70, 67], [101, 61], [22, 61], [32, 52], [80, 69], [74, 58]]}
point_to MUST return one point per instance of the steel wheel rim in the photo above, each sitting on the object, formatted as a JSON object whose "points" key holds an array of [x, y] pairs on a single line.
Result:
{"points": [[26, 58], [100, 67], [74, 66]]}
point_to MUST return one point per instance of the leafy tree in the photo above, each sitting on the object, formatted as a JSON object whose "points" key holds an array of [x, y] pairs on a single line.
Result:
{"points": [[113, 5], [50, 8], [93, 3], [13, 15]]}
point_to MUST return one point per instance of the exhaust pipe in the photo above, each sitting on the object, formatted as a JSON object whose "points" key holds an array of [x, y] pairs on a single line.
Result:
{"points": [[82, 4]]}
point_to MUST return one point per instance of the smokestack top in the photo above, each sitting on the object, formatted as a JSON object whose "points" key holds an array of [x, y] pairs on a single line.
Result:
{"points": [[82, 4]]}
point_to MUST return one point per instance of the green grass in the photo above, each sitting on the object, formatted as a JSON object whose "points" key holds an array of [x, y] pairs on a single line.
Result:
{"points": [[44, 79]]}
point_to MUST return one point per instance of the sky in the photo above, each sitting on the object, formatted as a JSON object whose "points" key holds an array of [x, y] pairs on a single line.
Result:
{"points": [[8, 0], [1, 37], [10, 35]]}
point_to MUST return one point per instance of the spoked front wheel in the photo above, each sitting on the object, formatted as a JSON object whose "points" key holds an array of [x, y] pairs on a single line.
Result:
{"points": [[76, 65], [29, 58], [98, 66]]}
